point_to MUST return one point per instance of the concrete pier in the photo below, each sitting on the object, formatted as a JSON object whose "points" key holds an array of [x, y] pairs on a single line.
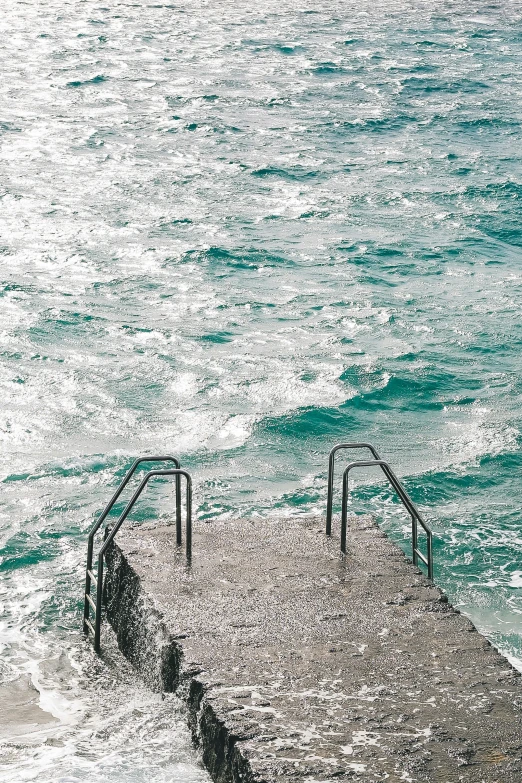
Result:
{"points": [[299, 666]]}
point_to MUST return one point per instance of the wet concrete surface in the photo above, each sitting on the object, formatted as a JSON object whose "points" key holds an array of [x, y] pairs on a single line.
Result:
{"points": [[297, 665]]}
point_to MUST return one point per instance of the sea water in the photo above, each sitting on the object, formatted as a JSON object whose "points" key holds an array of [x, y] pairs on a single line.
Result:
{"points": [[241, 232]]}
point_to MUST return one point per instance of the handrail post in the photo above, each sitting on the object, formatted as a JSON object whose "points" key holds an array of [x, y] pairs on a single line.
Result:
{"points": [[414, 540], [429, 535], [344, 511], [178, 508], [99, 597], [329, 500], [188, 533], [90, 547]]}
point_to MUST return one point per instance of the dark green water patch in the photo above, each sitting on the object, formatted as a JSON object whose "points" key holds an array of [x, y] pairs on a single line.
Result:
{"points": [[84, 83], [217, 337]]}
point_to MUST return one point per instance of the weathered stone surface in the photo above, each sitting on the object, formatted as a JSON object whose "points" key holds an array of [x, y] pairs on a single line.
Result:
{"points": [[299, 666]]}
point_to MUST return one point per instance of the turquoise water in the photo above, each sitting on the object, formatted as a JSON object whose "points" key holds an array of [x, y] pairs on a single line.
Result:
{"points": [[240, 234]]}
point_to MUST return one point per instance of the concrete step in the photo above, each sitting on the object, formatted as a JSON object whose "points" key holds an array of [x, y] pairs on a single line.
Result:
{"points": [[299, 666]]}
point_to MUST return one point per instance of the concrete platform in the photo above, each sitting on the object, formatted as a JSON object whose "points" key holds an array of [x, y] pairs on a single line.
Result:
{"points": [[299, 666]]}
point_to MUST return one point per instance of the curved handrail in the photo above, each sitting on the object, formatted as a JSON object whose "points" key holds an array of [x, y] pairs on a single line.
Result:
{"points": [[94, 529], [188, 543], [331, 463], [124, 483], [408, 503]]}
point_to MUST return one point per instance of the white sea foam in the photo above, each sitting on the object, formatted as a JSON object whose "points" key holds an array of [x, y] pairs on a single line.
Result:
{"points": [[242, 270]]}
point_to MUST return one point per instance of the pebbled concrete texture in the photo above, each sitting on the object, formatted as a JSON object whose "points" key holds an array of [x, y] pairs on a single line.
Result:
{"points": [[297, 665]]}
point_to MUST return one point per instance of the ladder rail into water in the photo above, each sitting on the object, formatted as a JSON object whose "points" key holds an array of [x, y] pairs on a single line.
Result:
{"points": [[416, 518], [96, 606], [108, 508]]}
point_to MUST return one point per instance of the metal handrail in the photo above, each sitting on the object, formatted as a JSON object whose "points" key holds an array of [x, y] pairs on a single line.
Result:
{"points": [[408, 503], [94, 529], [331, 461], [188, 543]]}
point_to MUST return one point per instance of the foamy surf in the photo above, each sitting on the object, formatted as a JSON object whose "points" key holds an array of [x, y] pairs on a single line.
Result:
{"points": [[243, 234]]}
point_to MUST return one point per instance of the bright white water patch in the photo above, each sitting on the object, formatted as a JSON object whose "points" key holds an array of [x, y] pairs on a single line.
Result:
{"points": [[109, 726], [67, 715]]}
